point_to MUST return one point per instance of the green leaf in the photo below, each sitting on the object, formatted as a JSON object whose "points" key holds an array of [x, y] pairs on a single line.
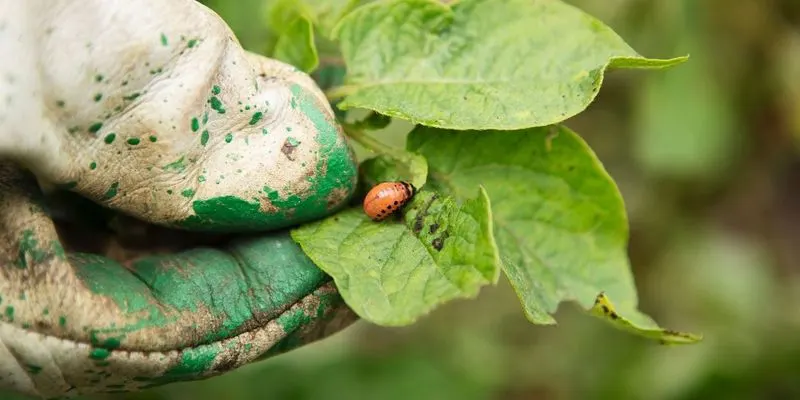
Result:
{"points": [[478, 64], [327, 13], [282, 13], [402, 166], [296, 45], [603, 308], [374, 121], [324, 14], [559, 219], [392, 272]]}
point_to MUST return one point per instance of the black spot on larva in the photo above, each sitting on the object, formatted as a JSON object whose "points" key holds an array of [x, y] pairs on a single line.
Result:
{"points": [[605, 309], [614, 315], [389, 207], [396, 202], [434, 227]]}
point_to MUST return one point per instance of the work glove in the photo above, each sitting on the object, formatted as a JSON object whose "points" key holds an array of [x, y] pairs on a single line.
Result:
{"points": [[150, 169]]}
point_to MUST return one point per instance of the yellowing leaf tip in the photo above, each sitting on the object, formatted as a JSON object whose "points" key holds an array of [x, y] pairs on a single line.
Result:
{"points": [[604, 309]]}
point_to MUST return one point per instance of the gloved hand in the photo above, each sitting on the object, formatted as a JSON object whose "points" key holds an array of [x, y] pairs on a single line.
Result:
{"points": [[152, 109]]}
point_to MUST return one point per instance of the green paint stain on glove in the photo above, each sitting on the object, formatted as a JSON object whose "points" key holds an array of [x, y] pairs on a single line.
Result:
{"points": [[131, 295], [193, 363], [33, 369], [30, 253], [216, 105], [292, 323], [112, 191], [178, 165], [95, 127], [99, 354], [331, 185], [250, 281], [256, 117]]}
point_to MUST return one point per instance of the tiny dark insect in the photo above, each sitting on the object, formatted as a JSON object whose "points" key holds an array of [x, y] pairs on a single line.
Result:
{"points": [[386, 198]]}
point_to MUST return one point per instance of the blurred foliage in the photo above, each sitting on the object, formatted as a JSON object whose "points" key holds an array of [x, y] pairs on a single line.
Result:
{"points": [[706, 157]]}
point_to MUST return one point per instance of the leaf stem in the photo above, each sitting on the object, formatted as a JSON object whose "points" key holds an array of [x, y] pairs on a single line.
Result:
{"points": [[367, 141], [339, 92]]}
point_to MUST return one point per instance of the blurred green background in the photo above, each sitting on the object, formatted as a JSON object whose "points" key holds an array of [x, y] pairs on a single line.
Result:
{"points": [[706, 156]]}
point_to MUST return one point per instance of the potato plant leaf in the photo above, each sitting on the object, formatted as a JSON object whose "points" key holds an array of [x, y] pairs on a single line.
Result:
{"points": [[326, 14], [402, 166], [559, 220], [281, 13], [374, 121], [296, 45], [603, 308], [392, 272], [478, 64]]}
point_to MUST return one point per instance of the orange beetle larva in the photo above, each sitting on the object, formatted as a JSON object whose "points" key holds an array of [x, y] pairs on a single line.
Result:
{"points": [[386, 198]]}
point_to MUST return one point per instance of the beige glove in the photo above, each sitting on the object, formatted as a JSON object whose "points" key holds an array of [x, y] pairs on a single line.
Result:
{"points": [[152, 109]]}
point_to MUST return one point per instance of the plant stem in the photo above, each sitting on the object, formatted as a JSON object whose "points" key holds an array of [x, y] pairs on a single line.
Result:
{"points": [[367, 141], [338, 92]]}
